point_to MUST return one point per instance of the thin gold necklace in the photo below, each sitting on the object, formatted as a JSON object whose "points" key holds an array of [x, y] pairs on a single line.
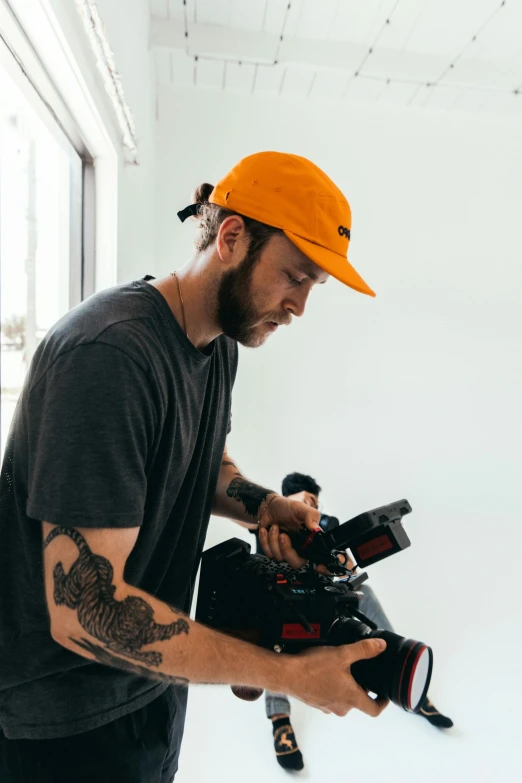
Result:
{"points": [[182, 303]]}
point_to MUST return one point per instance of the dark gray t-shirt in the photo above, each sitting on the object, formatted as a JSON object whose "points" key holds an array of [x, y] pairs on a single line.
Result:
{"points": [[121, 422]]}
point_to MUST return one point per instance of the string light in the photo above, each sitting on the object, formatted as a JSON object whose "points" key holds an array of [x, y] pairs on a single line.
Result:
{"points": [[456, 59], [385, 80], [281, 36], [369, 53], [473, 39], [185, 22]]}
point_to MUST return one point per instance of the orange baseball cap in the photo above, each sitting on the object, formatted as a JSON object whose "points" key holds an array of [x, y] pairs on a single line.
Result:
{"points": [[292, 193]]}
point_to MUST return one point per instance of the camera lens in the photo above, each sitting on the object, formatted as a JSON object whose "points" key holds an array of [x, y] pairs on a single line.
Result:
{"points": [[401, 673]]}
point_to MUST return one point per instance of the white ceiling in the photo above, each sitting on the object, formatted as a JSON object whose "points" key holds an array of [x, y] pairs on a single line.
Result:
{"points": [[449, 55]]}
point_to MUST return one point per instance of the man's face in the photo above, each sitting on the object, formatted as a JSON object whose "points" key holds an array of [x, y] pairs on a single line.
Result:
{"points": [[264, 291]]}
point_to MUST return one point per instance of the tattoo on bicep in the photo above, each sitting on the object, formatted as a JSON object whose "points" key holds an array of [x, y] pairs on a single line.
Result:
{"points": [[107, 658], [251, 495], [124, 627]]}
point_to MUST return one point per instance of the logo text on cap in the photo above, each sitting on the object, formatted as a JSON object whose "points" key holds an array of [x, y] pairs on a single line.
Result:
{"points": [[344, 232]]}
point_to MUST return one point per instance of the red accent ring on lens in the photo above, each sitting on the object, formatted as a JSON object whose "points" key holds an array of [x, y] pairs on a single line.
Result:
{"points": [[399, 693], [412, 674]]}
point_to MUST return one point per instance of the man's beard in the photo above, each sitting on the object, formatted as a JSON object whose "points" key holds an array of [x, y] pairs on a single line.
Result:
{"points": [[236, 313]]}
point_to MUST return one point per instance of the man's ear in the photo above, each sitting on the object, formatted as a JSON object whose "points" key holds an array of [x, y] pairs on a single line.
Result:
{"points": [[232, 240]]}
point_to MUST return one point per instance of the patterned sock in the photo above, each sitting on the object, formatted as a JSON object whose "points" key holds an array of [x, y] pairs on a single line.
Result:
{"points": [[285, 744], [431, 713]]}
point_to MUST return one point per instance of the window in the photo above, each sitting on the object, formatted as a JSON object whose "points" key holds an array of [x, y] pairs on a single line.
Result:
{"points": [[46, 211], [59, 159], [40, 236]]}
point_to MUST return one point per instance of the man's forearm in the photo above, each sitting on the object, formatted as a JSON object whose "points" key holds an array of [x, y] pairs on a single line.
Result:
{"points": [[95, 613], [188, 653], [237, 497]]}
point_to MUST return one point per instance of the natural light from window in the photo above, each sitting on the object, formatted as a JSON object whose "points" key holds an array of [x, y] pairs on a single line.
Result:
{"points": [[35, 199]]}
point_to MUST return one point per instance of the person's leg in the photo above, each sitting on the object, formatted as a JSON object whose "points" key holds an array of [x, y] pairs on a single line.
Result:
{"points": [[433, 716], [370, 605], [285, 744], [131, 749], [277, 705]]}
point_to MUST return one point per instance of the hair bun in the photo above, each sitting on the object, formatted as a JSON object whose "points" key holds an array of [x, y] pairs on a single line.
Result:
{"points": [[202, 194], [246, 693]]}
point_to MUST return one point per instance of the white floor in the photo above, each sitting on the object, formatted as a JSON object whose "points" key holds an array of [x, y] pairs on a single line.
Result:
{"points": [[230, 740], [477, 681]]}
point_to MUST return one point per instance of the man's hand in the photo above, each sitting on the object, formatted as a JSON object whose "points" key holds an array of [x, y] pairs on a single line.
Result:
{"points": [[285, 516], [304, 497], [311, 500], [321, 678]]}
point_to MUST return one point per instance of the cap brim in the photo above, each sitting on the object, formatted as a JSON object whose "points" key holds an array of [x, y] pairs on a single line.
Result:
{"points": [[333, 263]]}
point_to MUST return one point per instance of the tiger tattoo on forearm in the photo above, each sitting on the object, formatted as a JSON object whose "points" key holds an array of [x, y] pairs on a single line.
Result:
{"points": [[124, 627]]}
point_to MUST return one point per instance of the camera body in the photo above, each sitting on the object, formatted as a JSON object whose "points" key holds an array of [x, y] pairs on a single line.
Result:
{"points": [[272, 604], [277, 607], [370, 536]]}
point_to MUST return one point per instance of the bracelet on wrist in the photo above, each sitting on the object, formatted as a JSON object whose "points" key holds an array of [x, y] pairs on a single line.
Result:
{"points": [[266, 509]]}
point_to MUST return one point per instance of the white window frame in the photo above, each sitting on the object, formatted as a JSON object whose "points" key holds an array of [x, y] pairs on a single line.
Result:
{"points": [[47, 39]]}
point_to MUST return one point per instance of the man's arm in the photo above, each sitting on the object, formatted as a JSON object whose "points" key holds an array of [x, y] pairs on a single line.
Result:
{"points": [[96, 614], [279, 517], [237, 497]]}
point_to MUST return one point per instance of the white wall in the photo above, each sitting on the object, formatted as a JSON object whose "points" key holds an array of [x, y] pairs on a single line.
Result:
{"points": [[127, 30], [414, 394], [128, 33]]}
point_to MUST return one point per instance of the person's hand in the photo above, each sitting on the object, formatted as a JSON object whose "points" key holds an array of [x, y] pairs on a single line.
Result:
{"points": [[304, 497], [282, 517], [321, 678]]}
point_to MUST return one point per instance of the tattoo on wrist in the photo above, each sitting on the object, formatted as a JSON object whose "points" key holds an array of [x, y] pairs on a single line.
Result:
{"points": [[123, 627], [251, 495]]}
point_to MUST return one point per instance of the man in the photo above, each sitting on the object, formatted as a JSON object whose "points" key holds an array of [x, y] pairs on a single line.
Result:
{"points": [[300, 487], [115, 461]]}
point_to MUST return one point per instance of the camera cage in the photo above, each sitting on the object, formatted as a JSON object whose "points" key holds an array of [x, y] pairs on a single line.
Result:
{"points": [[283, 594]]}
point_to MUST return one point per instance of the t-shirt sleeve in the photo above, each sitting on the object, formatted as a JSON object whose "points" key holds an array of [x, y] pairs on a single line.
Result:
{"points": [[91, 423]]}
